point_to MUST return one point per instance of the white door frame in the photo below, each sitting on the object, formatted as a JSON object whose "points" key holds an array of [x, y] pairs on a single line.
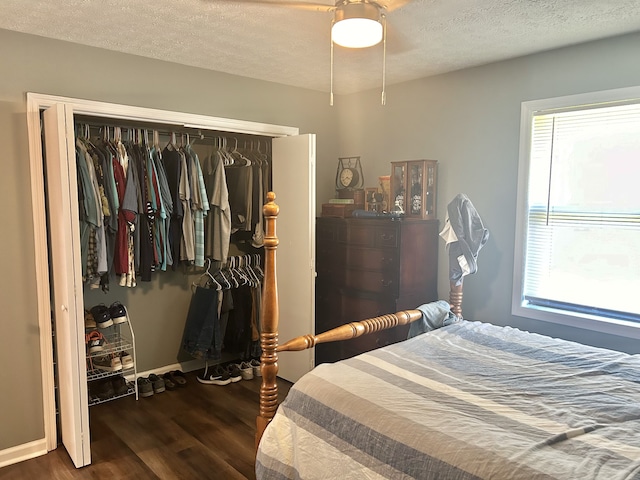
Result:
{"points": [[37, 102]]}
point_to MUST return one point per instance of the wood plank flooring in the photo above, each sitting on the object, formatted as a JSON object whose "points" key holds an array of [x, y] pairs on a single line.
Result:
{"points": [[195, 432]]}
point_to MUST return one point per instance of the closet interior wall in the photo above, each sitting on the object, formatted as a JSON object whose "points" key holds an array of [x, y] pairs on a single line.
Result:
{"points": [[158, 308]]}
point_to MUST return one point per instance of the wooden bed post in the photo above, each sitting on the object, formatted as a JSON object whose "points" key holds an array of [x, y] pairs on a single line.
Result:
{"points": [[455, 298], [270, 315]]}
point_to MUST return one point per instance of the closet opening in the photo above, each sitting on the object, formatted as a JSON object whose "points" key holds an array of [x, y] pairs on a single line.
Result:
{"points": [[149, 297]]}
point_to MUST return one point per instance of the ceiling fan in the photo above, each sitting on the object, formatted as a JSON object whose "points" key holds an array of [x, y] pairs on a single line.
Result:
{"points": [[356, 24]]}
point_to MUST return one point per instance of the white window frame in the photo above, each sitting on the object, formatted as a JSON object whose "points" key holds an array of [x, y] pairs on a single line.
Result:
{"points": [[518, 306]]}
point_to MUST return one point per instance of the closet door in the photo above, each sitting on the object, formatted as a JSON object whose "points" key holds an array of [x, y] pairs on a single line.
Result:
{"points": [[294, 183], [67, 304]]}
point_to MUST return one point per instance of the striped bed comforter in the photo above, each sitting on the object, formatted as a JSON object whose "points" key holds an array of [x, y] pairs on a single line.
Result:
{"points": [[469, 400]]}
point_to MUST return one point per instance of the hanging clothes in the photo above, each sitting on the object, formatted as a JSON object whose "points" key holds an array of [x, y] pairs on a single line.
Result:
{"points": [[218, 221], [143, 209]]}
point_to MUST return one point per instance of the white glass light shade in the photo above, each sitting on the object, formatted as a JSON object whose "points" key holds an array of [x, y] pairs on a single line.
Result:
{"points": [[356, 32], [356, 24]]}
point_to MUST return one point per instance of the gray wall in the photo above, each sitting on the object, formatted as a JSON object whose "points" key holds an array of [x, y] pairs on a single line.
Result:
{"points": [[158, 310], [469, 121]]}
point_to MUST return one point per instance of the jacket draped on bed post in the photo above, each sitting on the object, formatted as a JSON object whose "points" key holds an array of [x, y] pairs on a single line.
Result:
{"points": [[464, 235], [270, 316]]}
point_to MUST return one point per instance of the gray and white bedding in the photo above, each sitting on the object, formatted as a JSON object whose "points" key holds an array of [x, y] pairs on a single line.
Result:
{"points": [[467, 401]]}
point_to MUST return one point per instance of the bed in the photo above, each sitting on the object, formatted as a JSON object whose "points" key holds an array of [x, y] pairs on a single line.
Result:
{"points": [[468, 400]]}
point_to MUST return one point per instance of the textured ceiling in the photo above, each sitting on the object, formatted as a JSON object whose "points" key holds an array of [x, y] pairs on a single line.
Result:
{"points": [[291, 46]]}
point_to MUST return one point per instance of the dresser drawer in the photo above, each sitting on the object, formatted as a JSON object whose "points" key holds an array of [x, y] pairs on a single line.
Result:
{"points": [[377, 236], [372, 281], [379, 259]]}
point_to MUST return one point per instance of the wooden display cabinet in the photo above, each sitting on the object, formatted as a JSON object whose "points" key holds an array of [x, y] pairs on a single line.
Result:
{"points": [[414, 188]]}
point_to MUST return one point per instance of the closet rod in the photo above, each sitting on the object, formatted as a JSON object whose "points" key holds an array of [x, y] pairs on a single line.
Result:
{"points": [[179, 130]]}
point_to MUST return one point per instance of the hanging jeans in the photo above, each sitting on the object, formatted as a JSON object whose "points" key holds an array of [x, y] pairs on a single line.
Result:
{"points": [[201, 338]]}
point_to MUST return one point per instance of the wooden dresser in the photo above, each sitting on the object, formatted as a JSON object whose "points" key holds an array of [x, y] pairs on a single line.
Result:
{"points": [[368, 267]]}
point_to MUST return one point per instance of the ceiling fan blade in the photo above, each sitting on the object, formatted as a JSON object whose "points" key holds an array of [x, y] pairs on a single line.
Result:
{"points": [[298, 5]]}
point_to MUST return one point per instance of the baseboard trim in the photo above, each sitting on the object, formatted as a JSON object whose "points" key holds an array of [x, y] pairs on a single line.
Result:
{"points": [[19, 453]]}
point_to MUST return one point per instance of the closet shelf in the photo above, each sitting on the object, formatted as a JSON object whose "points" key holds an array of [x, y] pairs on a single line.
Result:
{"points": [[96, 374], [131, 389]]}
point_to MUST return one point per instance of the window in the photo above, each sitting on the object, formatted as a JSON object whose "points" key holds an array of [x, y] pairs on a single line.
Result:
{"points": [[577, 256]]}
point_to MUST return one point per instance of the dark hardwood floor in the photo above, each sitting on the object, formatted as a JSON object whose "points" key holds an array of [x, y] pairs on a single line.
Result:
{"points": [[195, 432]]}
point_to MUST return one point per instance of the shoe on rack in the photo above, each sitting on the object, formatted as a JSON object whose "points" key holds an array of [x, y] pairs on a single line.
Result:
{"points": [[126, 359], [246, 370], [95, 341], [157, 383], [219, 376], [145, 388], [179, 378], [256, 367], [234, 372], [101, 316], [102, 390], [120, 386], [118, 313], [89, 321], [169, 381], [107, 363]]}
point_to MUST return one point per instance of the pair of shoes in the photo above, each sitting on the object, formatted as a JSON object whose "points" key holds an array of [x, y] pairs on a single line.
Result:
{"points": [[120, 386], [89, 321], [107, 363], [157, 383], [235, 375], [95, 341], [219, 376], [101, 390], [179, 378], [246, 370], [126, 359], [101, 316], [169, 382], [108, 388], [255, 364], [145, 387], [118, 313]]}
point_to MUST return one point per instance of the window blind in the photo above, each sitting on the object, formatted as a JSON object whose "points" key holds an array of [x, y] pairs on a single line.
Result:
{"points": [[583, 225]]}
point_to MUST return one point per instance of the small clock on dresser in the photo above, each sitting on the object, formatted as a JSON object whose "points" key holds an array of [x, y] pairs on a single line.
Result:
{"points": [[349, 179]]}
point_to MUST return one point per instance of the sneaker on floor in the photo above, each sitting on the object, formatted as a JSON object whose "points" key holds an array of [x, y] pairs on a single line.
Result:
{"points": [[157, 383], [118, 313], [101, 316], [218, 376], [169, 381], [179, 378], [89, 321], [107, 363], [126, 359], [95, 341], [246, 370], [234, 372], [145, 388], [255, 364]]}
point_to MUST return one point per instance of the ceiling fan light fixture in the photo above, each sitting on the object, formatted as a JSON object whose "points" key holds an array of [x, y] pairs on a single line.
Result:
{"points": [[357, 25]]}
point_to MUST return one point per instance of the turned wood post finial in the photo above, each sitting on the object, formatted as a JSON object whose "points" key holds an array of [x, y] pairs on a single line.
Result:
{"points": [[269, 321]]}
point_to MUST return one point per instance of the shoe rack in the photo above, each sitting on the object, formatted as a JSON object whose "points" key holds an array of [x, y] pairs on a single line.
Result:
{"points": [[105, 374]]}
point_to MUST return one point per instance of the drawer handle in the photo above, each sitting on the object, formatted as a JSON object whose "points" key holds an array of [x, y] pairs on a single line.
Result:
{"points": [[386, 283], [387, 236], [387, 261]]}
